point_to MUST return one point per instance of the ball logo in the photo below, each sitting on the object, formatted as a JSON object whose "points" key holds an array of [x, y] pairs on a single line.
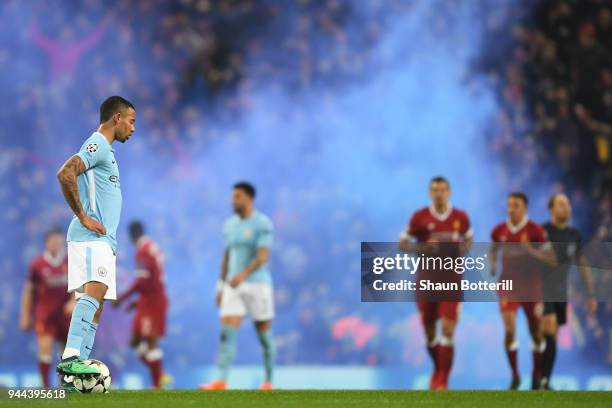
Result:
{"points": [[92, 148], [102, 271]]}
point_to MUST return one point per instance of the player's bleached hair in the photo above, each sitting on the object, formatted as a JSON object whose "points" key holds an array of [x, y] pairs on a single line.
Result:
{"points": [[246, 187], [521, 196], [439, 179], [112, 105]]}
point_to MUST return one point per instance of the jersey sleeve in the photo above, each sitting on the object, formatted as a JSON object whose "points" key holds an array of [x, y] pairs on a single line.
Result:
{"points": [[143, 275], [495, 234], [264, 234], [466, 227], [33, 273], [226, 234], [142, 266], [411, 230], [539, 234], [94, 151]]}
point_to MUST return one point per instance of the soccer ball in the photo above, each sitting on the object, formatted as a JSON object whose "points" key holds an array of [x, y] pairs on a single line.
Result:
{"points": [[93, 383]]}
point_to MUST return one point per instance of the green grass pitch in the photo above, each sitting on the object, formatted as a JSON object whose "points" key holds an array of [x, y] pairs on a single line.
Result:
{"points": [[339, 399]]}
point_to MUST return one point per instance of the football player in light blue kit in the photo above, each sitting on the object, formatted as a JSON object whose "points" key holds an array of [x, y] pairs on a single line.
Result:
{"points": [[91, 186], [245, 287]]}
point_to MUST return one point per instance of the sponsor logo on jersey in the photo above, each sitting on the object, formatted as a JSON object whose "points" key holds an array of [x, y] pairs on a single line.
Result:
{"points": [[102, 271]]}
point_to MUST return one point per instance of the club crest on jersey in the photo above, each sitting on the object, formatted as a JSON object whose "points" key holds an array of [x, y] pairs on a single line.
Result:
{"points": [[248, 233], [431, 226], [102, 271], [92, 148]]}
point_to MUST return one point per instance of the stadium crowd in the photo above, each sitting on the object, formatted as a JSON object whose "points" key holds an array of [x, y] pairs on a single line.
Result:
{"points": [[556, 101], [556, 107]]}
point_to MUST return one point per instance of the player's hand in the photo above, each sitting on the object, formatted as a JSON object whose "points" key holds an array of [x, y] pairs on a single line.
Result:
{"points": [[25, 323], [592, 306], [237, 280], [68, 307], [92, 225]]}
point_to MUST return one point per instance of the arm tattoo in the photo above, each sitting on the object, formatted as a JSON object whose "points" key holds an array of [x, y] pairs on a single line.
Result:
{"points": [[67, 177]]}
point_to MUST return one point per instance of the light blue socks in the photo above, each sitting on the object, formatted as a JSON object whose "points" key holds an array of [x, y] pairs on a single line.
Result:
{"points": [[227, 351], [80, 325], [269, 352], [88, 341]]}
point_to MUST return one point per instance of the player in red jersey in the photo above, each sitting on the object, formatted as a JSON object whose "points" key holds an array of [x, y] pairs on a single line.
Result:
{"points": [[45, 305], [151, 307], [524, 245], [435, 229]]}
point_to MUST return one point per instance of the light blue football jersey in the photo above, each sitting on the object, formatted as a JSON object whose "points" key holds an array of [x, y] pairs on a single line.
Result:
{"points": [[242, 239], [99, 191]]}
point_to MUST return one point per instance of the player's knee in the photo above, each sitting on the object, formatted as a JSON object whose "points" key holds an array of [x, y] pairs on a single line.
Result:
{"points": [[509, 329], [509, 323], [448, 328], [430, 329], [96, 290], [263, 326], [448, 332], [233, 321], [535, 327], [537, 336], [549, 326], [45, 345]]}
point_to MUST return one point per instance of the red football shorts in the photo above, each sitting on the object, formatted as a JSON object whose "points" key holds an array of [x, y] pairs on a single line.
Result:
{"points": [[149, 323], [432, 311], [57, 327], [533, 310]]}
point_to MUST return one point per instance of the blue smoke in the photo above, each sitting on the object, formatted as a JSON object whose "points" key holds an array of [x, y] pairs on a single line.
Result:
{"points": [[339, 157]]}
